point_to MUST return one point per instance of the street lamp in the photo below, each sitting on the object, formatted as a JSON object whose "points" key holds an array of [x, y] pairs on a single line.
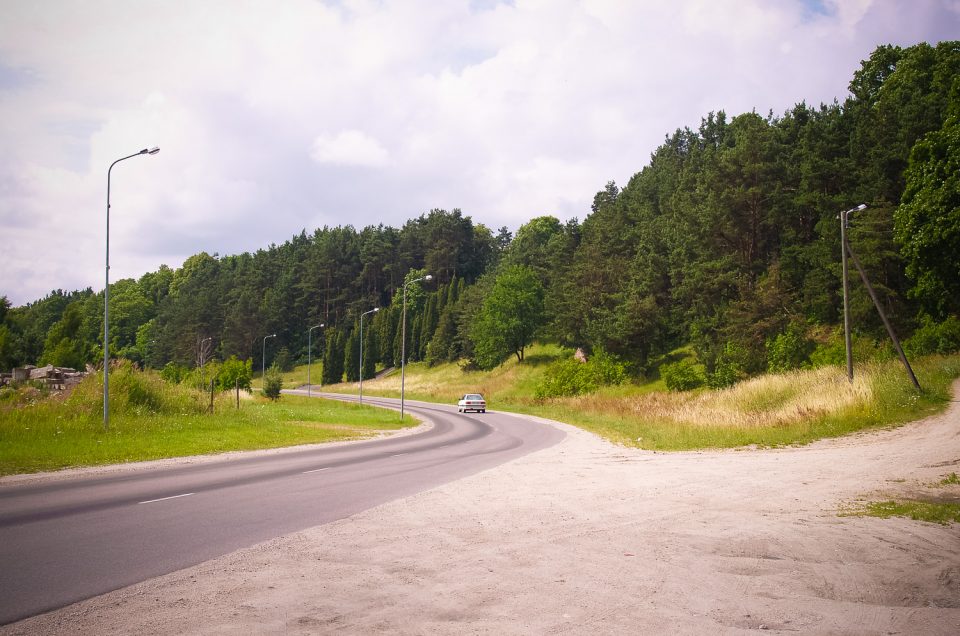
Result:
{"points": [[310, 351], [844, 224], [372, 311], [403, 337], [106, 295], [263, 361]]}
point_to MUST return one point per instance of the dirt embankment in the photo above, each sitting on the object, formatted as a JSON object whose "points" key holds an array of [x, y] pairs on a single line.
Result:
{"points": [[587, 537]]}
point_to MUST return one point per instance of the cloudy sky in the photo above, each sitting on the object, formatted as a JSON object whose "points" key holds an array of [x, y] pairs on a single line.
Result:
{"points": [[273, 117]]}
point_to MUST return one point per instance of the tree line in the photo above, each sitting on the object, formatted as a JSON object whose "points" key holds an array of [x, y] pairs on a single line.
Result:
{"points": [[727, 240]]}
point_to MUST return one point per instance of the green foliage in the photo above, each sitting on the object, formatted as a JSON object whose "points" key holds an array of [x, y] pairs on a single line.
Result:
{"points": [[934, 337], [370, 354], [928, 219], [63, 346], [509, 317], [731, 366], [789, 350], [683, 375], [333, 357], [174, 373], [571, 377], [272, 382], [283, 360], [235, 373]]}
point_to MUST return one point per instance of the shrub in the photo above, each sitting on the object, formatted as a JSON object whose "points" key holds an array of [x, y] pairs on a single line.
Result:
{"points": [[571, 377], [173, 373], [272, 382], [683, 375], [789, 350], [934, 337], [235, 373], [731, 366]]}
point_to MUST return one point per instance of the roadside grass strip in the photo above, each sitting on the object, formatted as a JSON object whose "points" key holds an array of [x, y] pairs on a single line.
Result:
{"points": [[151, 419]]}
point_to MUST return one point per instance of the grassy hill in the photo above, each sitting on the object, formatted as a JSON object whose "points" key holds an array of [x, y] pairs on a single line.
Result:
{"points": [[770, 410]]}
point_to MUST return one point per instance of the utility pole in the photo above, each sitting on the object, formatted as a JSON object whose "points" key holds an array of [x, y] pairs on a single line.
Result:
{"points": [[845, 248]]}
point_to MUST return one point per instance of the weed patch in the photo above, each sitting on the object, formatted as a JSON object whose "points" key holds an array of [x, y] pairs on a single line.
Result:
{"points": [[931, 512]]}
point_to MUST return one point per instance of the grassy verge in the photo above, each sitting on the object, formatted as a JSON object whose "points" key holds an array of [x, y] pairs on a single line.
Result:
{"points": [[772, 410], [153, 420]]}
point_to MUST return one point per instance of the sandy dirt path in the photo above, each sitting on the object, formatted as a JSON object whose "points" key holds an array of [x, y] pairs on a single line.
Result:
{"points": [[587, 537]]}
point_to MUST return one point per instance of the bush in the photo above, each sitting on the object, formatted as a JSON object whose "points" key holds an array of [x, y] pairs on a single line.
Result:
{"points": [[731, 366], [683, 375], [934, 337], [571, 377], [174, 373], [789, 350], [272, 382], [235, 373]]}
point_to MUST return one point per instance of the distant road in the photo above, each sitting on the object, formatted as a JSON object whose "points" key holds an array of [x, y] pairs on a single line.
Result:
{"points": [[65, 540]]}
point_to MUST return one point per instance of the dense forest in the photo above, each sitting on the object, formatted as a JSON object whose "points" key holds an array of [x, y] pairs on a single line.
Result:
{"points": [[727, 240]]}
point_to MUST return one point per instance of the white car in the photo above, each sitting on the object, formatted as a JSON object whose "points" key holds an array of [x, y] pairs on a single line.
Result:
{"points": [[472, 402]]}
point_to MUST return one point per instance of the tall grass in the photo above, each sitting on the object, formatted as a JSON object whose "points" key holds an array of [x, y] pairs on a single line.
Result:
{"points": [[151, 419]]}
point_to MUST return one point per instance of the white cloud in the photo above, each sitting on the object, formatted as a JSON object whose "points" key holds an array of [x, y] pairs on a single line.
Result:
{"points": [[349, 148], [275, 117]]}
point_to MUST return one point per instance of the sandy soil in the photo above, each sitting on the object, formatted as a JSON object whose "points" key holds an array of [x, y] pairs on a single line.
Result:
{"points": [[588, 537]]}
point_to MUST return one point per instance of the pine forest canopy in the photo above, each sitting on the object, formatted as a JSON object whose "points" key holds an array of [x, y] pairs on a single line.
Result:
{"points": [[726, 239]]}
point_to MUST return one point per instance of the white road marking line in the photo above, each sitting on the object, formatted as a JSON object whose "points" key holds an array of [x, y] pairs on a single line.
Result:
{"points": [[398, 454], [315, 470], [186, 494]]}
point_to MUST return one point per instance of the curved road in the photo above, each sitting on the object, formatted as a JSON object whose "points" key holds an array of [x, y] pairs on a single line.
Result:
{"points": [[66, 540]]}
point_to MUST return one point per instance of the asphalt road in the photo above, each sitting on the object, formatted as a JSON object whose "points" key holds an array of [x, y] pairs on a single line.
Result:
{"points": [[65, 540]]}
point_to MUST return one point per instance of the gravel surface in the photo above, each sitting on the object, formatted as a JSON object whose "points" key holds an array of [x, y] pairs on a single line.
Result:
{"points": [[589, 537]]}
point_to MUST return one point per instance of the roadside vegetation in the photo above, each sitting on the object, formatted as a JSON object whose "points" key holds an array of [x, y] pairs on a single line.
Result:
{"points": [[938, 502], [929, 511], [154, 419], [792, 407]]}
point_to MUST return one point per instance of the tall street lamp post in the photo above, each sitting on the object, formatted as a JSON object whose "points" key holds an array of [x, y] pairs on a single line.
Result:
{"points": [[106, 295], [309, 352], [372, 311], [403, 337], [263, 360]]}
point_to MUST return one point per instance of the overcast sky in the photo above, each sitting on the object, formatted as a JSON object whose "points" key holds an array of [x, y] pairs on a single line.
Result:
{"points": [[273, 117]]}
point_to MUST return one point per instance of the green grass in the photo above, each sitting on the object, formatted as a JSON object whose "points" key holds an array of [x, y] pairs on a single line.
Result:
{"points": [[153, 420], [932, 512], [950, 480], [773, 410]]}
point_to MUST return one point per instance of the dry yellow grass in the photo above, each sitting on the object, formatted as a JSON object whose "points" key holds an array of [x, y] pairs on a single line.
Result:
{"points": [[766, 401], [771, 400]]}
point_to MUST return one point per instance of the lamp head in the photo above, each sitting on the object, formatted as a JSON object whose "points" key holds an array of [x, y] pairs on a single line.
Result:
{"points": [[428, 277], [153, 150]]}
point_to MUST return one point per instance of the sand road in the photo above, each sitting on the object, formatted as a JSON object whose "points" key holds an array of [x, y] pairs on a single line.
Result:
{"points": [[587, 537]]}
